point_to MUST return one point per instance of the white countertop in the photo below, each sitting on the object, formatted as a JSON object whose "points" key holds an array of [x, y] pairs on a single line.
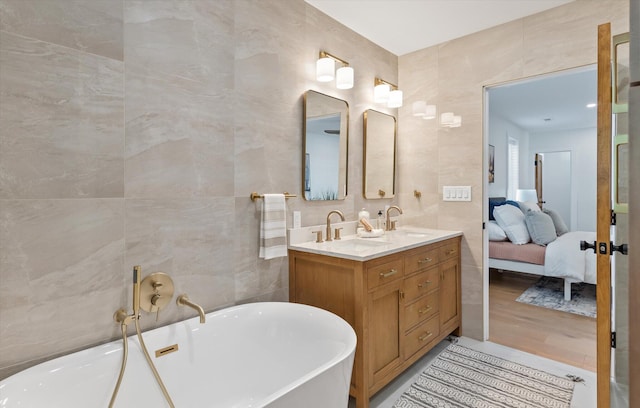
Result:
{"points": [[364, 249]]}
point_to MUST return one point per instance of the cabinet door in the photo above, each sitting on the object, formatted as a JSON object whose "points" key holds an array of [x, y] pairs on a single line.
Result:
{"points": [[449, 294], [384, 330]]}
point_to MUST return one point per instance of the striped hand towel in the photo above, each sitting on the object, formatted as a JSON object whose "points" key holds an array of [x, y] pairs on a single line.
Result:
{"points": [[273, 227]]}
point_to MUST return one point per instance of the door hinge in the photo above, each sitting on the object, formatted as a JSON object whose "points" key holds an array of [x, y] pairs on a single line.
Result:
{"points": [[613, 339], [484, 227], [613, 217]]}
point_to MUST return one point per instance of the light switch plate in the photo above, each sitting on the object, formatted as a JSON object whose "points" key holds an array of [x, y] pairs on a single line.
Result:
{"points": [[456, 193]]}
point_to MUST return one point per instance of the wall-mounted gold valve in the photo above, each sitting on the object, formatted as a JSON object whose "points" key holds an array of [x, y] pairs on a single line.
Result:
{"points": [[156, 292]]}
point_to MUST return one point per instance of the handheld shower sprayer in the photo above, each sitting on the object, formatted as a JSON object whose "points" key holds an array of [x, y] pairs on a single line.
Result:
{"points": [[136, 290]]}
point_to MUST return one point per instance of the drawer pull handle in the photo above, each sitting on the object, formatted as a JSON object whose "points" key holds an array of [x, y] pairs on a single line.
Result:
{"points": [[425, 336], [424, 310], [387, 274], [425, 260], [451, 252], [421, 285]]}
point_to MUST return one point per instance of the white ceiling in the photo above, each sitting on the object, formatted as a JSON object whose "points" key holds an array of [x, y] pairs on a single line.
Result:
{"points": [[404, 26], [552, 102]]}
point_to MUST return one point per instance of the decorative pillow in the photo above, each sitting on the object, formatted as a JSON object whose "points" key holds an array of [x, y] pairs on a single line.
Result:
{"points": [[495, 232], [558, 223], [528, 205], [540, 227], [511, 220], [494, 204]]}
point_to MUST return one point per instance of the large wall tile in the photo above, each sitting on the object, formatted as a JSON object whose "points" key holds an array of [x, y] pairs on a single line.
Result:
{"points": [[191, 40], [190, 241], [179, 140], [61, 114], [566, 37], [56, 254], [93, 26]]}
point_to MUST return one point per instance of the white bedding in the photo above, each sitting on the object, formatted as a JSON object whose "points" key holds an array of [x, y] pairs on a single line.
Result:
{"points": [[563, 257]]}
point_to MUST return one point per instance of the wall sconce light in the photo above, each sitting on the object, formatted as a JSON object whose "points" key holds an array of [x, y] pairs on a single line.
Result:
{"points": [[326, 71], [448, 119], [386, 92], [421, 109]]}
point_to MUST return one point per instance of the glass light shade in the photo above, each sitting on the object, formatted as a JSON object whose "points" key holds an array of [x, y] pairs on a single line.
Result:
{"points": [[395, 99], [325, 69], [419, 108], [446, 119], [527, 195], [381, 93], [344, 78], [430, 112]]}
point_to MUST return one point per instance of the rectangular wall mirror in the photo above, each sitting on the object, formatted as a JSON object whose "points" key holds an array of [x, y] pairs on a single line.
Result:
{"points": [[379, 155], [324, 167]]}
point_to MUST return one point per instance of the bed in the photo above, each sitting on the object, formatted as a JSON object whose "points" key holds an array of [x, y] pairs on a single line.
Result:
{"points": [[561, 258]]}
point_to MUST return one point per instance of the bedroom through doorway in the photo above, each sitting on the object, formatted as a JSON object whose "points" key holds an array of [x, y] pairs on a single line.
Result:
{"points": [[536, 303]]}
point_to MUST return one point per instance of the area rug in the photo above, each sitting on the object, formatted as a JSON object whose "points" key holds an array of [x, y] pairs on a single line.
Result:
{"points": [[462, 377], [549, 292]]}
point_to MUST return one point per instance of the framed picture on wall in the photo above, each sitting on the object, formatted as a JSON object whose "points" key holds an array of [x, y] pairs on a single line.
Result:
{"points": [[492, 154]]}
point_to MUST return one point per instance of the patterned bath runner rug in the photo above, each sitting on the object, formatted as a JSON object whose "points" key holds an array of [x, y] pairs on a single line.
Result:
{"points": [[549, 292], [461, 377]]}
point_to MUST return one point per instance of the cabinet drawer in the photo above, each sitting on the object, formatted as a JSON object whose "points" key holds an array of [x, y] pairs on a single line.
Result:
{"points": [[421, 284], [421, 310], [449, 250], [384, 273], [420, 260], [421, 336]]}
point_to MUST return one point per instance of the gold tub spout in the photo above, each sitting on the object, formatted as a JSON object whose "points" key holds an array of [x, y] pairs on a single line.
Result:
{"points": [[183, 300]]}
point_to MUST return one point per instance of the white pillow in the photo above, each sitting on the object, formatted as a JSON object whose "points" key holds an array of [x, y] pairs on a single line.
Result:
{"points": [[495, 232], [511, 220], [528, 205]]}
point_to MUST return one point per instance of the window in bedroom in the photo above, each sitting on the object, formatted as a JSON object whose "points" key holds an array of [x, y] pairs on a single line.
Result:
{"points": [[514, 166]]}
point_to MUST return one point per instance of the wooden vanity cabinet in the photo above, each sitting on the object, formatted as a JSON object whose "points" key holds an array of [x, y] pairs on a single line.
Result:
{"points": [[400, 305]]}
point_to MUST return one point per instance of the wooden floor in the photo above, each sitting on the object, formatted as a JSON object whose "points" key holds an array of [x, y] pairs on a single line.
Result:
{"points": [[561, 336]]}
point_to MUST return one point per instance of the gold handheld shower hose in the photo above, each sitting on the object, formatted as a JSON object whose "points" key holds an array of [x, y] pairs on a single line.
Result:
{"points": [[124, 319]]}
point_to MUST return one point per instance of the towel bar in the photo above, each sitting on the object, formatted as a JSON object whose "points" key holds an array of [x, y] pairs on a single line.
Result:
{"points": [[254, 196]]}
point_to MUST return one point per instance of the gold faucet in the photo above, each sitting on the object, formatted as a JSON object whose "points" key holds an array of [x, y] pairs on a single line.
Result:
{"points": [[392, 225], [329, 222], [183, 300]]}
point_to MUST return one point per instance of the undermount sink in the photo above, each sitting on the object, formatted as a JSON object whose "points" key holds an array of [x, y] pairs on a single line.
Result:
{"points": [[413, 232], [357, 244]]}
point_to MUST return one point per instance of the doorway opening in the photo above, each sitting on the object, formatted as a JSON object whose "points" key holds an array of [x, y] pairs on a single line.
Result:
{"points": [[548, 118]]}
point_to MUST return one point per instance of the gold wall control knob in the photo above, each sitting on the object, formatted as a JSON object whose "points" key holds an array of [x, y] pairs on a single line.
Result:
{"points": [[156, 292]]}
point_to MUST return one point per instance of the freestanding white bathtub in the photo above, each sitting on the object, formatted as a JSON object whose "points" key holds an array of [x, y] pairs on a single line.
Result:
{"points": [[283, 355]]}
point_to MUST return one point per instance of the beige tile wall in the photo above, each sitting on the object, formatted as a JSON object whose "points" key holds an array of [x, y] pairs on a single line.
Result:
{"points": [[452, 76], [133, 132]]}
